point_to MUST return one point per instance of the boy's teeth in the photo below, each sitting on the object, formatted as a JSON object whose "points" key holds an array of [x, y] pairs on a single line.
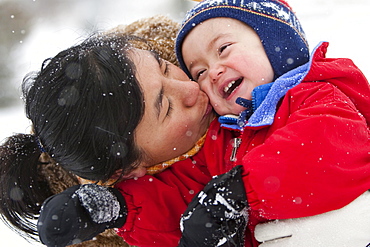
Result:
{"points": [[228, 86]]}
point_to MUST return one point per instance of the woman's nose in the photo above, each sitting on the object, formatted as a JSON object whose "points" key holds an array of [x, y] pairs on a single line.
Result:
{"points": [[188, 92]]}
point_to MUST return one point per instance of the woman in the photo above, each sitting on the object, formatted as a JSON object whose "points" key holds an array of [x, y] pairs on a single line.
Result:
{"points": [[86, 109], [53, 179]]}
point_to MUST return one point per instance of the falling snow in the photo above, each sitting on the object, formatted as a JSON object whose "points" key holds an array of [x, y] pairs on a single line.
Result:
{"points": [[324, 23]]}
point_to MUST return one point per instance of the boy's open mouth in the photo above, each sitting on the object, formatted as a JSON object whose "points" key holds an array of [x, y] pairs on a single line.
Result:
{"points": [[232, 86]]}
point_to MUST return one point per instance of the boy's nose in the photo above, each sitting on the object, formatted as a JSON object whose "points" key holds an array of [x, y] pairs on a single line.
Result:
{"points": [[215, 73]]}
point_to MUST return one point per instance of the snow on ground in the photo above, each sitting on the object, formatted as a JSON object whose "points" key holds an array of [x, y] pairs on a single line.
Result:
{"points": [[342, 23]]}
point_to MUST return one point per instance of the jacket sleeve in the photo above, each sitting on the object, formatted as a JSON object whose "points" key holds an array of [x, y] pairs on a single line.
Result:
{"points": [[348, 226], [313, 159], [156, 203]]}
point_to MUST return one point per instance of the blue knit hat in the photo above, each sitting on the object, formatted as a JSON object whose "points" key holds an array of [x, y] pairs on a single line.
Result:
{"points": [[273, 20]]}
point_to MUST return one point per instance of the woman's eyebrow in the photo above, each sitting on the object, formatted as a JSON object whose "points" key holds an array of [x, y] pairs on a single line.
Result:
{"points": [[157, 57], [158, 102], [159, 99]]}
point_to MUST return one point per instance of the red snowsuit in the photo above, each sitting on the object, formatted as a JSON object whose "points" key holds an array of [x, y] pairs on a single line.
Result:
{"points": [[313, 158]]}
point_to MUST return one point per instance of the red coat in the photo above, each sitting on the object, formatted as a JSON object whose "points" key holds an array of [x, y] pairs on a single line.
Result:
{"points": [[313, 158]]}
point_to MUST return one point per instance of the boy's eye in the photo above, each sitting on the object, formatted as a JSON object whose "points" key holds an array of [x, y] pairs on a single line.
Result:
{"points": [[222, 48], [199, 74]]}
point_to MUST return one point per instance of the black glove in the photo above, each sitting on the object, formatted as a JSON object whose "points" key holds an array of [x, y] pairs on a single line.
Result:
{"points": [[218, 215], [80, 213]]}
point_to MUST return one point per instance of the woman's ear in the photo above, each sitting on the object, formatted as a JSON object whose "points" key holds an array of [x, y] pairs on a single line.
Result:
{"points": [[116, 175]]}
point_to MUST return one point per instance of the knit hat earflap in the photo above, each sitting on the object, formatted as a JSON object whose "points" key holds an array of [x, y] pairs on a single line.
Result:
{"points": [[273, 20]]}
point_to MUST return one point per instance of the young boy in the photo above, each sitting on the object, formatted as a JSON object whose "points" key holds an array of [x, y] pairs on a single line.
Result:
{"points": [[232, 47], [294, 139], [252, 57]]}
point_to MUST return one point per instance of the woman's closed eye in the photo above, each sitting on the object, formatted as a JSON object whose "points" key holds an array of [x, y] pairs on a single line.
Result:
{"points": [[162, 103], [170, 108]]}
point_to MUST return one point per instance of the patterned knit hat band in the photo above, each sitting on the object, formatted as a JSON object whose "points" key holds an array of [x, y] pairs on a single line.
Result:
{"points": [[278, 28]]}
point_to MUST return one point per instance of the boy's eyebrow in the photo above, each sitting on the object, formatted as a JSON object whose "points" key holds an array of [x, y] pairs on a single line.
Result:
{"points": [[214, 40]]}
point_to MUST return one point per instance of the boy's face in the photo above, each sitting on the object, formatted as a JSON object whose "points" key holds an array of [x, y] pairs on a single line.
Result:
{"points": [[227, 59]]}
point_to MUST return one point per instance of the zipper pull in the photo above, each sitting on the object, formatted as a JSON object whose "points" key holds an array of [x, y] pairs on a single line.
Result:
{"points": [[235, 145]]}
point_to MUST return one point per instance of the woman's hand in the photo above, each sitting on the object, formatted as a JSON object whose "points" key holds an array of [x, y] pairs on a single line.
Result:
{"points": [[345, 227], [80, 213]]}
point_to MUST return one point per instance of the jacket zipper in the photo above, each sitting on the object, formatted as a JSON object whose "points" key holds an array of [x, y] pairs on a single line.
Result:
{"points": [[236, 145]]}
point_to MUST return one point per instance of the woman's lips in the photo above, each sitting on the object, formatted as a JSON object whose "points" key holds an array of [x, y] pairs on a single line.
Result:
{"points": [[208, 110]]}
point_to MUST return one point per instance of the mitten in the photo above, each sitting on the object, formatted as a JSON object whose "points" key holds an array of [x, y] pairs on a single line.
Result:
{"points": [[80, 213], [217, 215]]}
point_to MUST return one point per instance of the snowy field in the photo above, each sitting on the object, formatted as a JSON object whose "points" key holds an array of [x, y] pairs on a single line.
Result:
{"points": [[342, 23]]}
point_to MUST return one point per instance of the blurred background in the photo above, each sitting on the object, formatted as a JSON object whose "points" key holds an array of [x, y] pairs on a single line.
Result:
{"points": [[33, 30]]}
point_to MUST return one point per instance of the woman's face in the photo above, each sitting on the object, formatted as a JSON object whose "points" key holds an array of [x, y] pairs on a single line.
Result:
{"points": [[177, 113]]}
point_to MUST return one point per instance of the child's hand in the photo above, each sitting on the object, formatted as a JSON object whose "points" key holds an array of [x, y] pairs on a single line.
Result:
{"points": [[348, 226], [217, 216], [79, 214]]}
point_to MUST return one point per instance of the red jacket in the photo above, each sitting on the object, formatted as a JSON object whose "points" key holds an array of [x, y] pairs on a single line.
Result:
{"points": [[313, 158]]}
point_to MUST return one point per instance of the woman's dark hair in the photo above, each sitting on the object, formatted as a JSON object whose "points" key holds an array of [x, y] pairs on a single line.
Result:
{"points": [[84, 105]]}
